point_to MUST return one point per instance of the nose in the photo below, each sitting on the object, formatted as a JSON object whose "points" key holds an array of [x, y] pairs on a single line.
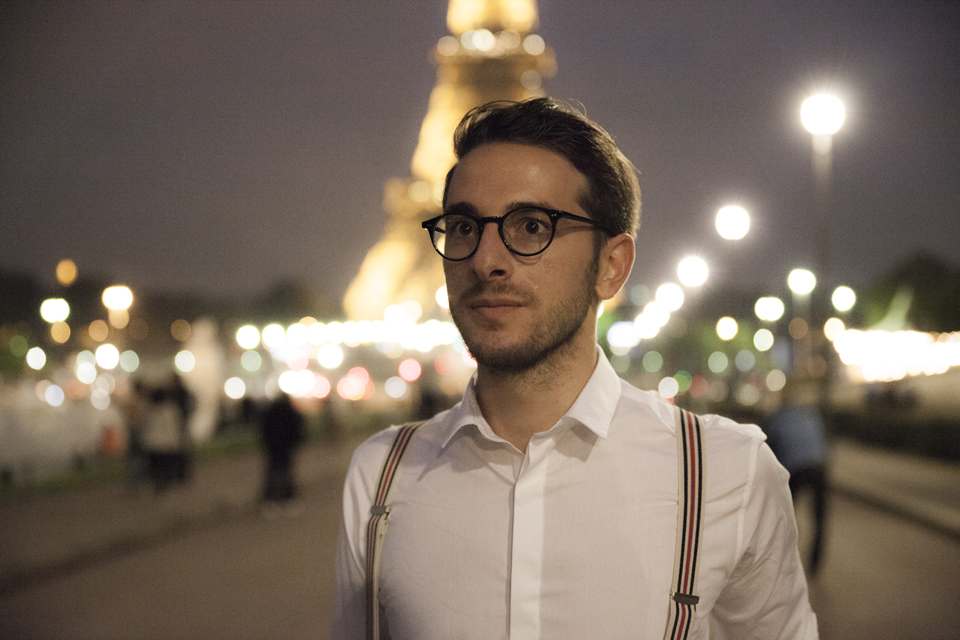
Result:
{"points": [[492, 258]]}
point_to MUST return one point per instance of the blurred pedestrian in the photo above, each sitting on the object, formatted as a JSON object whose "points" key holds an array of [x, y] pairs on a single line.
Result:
{"points": [[134, 412], [162, 439], [179, 395], [282, 431], [796, 434]]}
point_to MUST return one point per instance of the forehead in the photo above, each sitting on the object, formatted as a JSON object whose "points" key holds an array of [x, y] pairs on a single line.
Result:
{"points": [[501, 174]]}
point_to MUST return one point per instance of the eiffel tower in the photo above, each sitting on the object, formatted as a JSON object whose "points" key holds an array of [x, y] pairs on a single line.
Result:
{"points": [[492, 53]]}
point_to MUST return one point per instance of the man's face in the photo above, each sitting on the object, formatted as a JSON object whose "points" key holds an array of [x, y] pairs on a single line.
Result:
{"points": [[514, 311]]}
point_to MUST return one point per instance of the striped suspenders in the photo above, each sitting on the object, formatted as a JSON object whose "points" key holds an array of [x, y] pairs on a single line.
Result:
{"points": [[377, 528], [689, 525]]}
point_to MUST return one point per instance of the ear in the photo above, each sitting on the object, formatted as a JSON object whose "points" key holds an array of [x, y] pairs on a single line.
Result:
{"points": [[616, 262]]}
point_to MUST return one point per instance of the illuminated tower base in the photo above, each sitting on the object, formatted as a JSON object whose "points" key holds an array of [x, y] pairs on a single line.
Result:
{"points": [[492, 54]]}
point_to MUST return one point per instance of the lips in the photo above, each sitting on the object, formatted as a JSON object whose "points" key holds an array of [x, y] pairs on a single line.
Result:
{"points": [[480, 303]]}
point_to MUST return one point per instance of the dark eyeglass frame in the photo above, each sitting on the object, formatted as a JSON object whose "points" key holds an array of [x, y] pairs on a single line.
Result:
{"points": [[553, 214]]}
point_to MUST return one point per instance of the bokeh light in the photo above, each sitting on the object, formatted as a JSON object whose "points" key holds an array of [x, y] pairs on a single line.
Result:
{"points": [[36, 358], [409, 369], [692, 271], [652, 361], [185, 361], [822, 114], [129, 361], [108, 357], [801, 281], [833, 328], [763, 340], [668, 387], [727, 328], [733, 222], [234, 388], [118, 298], [718, 362], [769, 308], [66, 272], [180, 330], [843, 298], [330, 356], [670, 296], [54, 310], [248, 337], [776, 380], [251, 361]]}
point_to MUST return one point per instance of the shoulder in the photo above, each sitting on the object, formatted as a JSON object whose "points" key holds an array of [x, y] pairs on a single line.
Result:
{"points": [[369, 456]]}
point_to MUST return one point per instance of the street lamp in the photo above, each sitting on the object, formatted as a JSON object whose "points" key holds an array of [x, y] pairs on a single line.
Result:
{"points": [[822, 115], [117, 300], [733, 222], [801, 283]]}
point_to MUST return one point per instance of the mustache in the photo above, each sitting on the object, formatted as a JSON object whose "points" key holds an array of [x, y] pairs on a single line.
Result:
{"points": [[496, 289]]}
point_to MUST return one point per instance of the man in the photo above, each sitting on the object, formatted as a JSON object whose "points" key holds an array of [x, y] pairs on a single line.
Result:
{"points": [[545, 504]]}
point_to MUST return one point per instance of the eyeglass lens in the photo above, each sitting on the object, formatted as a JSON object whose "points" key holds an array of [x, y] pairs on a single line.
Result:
{"points": [[525, 231]]}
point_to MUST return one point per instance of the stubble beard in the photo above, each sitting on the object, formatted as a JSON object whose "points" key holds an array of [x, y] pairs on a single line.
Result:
{"points": [[548, 340]]}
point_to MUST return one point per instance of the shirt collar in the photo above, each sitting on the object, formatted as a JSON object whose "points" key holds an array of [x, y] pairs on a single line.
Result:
{"points": [[593, 408]]}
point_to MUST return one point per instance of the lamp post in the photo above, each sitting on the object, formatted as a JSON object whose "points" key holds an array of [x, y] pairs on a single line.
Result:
{"points": [[822, 115]]}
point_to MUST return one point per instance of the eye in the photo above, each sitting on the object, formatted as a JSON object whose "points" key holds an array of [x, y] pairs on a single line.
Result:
{"points": [[528, 222], [460, 226]]}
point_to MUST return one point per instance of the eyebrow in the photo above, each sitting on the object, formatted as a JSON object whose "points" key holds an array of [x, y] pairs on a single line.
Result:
{"points": [[467, 209]]}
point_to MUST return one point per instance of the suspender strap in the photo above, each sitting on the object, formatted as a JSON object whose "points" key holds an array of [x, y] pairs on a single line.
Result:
{"points": [[377, 527], [689, 527]]}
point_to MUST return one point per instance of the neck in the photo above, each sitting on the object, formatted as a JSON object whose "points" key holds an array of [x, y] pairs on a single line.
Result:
{"points": [[519, 405]]}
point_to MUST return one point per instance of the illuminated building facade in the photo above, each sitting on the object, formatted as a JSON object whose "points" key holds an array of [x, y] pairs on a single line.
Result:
{"points": [[491, 54]]}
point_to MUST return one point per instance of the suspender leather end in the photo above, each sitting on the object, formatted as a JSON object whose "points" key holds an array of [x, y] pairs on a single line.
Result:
{"points": [[686, 598], [379, 510]]}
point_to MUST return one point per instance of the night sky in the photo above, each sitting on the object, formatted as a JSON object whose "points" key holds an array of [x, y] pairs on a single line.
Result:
{"points": [[217, 147]]}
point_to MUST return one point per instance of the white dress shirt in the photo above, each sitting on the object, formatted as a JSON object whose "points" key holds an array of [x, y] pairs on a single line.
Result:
{"points": [[574, 538]]}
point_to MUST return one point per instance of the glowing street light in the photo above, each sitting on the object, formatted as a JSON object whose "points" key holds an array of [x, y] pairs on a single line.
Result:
{"points": [[801, 281], [54, 310], [822, 114], [733, 222], [843, 298], [692, 271], [117, 300]]}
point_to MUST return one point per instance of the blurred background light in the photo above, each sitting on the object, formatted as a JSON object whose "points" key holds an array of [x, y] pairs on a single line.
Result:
{"points": [[234, 388], [670, 296], [733, 222], [727, 328], [843, 298], [330, 356], [66, 272], [36, 358], [692, 271], [248, 337], [54, 310], [769, 308], [129, 361], [184, 361], [118, 298], [251, 361], [763, 340], [822, 114], [108, 357], [801, 281]]}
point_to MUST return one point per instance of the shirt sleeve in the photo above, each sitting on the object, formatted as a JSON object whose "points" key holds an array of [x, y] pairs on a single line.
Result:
{"points": [[349, 608], [766, 594]]}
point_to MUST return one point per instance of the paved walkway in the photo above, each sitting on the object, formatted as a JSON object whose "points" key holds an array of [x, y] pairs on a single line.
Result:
{"points": [[49, 533]]}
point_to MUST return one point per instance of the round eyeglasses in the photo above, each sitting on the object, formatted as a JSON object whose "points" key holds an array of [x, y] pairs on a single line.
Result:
{"points": [[526, 231]]}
